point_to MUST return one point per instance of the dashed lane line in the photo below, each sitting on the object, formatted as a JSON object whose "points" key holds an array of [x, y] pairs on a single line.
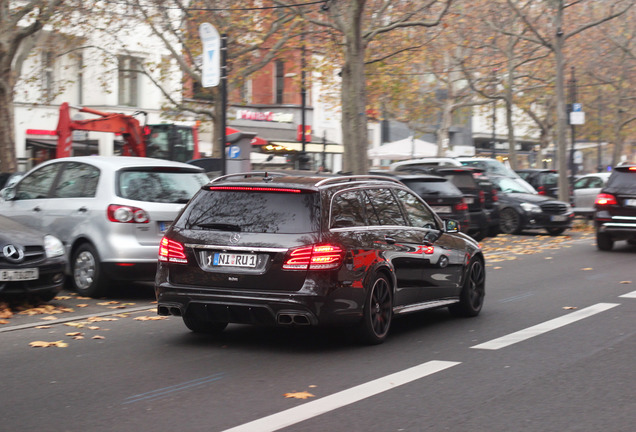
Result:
{"points": [[545, 327], [337, 400], [629, 295]]}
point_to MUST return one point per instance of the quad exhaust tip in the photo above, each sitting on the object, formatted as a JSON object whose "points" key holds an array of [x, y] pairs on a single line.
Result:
{"points": [[167, 311]]}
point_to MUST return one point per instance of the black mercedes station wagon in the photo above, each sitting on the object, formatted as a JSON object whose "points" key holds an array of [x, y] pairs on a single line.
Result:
{"points": [[280, 249], [615, 217]]}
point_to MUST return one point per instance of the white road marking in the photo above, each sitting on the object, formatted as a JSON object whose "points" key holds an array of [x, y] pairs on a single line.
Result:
{"points": [[629, 295], [337, 400], [545, 327]]}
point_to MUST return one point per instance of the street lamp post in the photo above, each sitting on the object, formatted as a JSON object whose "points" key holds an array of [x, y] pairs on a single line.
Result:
{"points": [[572, 97], [494, 117], [599, 155]]}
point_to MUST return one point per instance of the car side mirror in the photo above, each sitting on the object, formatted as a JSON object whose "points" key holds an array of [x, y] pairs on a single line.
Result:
{"points": [[8, 194], [451, 226]]}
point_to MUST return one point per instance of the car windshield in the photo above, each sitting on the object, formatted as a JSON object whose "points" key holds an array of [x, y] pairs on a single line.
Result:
{"points": [[165, 186], [491, 166], [254, 212], [510, 185]]}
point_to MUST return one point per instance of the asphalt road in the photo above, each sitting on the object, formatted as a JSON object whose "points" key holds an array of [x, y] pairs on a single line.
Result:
{"points": [[553, 350]]}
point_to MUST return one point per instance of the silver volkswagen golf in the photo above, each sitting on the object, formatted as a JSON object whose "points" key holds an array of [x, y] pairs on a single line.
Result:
{"points": [[109, 211]]}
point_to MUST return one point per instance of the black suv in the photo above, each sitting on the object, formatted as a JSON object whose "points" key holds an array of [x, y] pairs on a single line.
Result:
{"points": [[545, 181], [615, 217], [280, 249]]}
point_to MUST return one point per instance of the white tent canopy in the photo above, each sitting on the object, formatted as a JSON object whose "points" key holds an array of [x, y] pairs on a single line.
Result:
{"points": [[407, 148]]}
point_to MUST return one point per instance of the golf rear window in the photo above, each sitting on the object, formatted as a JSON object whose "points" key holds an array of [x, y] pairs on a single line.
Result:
{"points": [[254, 211]]}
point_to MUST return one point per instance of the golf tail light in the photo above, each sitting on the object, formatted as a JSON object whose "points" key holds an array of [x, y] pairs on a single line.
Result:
{"points": [[172, 251], [604, 199], [314, 257], [127, 214]]}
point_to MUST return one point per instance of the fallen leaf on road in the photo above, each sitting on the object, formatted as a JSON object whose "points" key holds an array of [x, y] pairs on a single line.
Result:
{"points": [[570, 307], [74, 334], [48, 318], [97, 319], [4, 321], [74, 324], [98, 337], [113, 302], [299, 395], [497, 268], [150, 318], [83, 305], [43, 344], [62, 298], [625, 282], [43, 327], [587, 269]]}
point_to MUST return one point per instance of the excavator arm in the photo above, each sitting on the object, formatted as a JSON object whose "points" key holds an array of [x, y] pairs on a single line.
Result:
{"points": [[127, 126]]}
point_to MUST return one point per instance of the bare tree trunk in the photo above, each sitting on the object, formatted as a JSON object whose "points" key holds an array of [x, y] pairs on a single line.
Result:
{"points": [[8, 161], [564, 194], [512, 141], [442, 133]]}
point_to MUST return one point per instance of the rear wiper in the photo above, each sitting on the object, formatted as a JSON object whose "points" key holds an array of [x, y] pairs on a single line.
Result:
{"points": [[220, 226]]}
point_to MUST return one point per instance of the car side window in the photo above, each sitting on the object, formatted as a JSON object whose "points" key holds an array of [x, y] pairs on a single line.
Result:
{"points": [[581, 183], [418, 214], [78, 180], [38, 183], [385, 207], [595, 183], [347, 210]]}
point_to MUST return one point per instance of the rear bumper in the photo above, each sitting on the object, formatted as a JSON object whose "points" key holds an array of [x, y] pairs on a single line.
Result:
{"points": [[619, 227], [540, 220], [131, 270]]}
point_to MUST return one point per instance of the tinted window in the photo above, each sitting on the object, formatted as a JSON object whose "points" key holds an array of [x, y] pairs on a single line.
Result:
{"points": [[419, 215], [38, 183], [441, 186], [625, 180], [462, 180], [160, 186], [385, 206], [347, 210], [510, 185], [77, 180], [255, 212], [491, 166]]}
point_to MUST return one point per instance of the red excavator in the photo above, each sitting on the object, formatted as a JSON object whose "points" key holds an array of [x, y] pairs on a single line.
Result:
{"points": [[163, 141]]}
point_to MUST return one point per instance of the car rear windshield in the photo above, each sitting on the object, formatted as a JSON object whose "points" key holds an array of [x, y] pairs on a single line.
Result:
{"points": [[252, 211], [160, 184], [432, 187], [624, 180], [461, 179]]}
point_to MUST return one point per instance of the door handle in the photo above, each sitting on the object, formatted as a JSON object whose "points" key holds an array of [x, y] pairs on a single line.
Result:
{"points": [[82, 209], [37, 209], [389, 240]]}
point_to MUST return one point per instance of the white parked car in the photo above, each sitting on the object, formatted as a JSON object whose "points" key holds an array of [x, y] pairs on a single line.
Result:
{"points": [[110, 212], [585, 190]]}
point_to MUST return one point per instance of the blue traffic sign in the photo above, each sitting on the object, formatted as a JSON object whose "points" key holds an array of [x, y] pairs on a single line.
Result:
{"points": [[577, 107], [234, 152]]}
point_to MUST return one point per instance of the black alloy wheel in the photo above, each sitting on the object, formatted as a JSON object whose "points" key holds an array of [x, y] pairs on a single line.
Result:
{"points": [[86, 272], [555, 231], [471, 299], [378, 312], [604, 241], [198, 325], [509, 221]]}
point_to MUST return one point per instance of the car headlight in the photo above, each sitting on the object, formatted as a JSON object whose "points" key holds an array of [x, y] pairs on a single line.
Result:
{"points": [[530, 208], [53, 246]]}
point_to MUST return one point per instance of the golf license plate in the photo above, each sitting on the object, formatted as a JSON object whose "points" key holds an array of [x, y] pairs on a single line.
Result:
{"points": [[19, 275], [234, 260]]}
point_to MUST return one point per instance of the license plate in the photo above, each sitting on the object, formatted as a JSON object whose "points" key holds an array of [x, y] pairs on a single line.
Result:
{"points": [[630, 202], [441, 209], [163, 226], [469, 200], [558, 218], [19, 275], [234, 260]]}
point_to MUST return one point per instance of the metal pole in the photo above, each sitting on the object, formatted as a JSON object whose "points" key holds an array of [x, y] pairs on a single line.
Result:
{"points": [[599, 155], [494, 116], [223, 101], [572, 102], [303, 93]]}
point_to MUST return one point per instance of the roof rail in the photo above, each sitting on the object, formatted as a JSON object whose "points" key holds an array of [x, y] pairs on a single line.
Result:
{"points": [[264, 174], [342, 179]]}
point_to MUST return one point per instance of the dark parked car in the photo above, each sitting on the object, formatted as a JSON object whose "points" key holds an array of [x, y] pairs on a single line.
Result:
{"points": [[31, 263], [520, 207], [615, 217], [439, 193], [276, 249], [545, 181]]}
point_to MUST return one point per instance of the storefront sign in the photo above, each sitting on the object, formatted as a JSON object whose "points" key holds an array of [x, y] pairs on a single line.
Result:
{"points": [[264, 116]]}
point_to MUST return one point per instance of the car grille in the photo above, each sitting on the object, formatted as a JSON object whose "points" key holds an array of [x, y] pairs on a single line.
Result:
{"points": [[31, 254], [554, 208]]}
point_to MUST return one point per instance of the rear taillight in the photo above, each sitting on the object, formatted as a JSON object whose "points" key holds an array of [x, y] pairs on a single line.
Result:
{"points": [[482, 196], [541, 190], [172, 251], [495, 197], [127, 214], [604, 199], [462, 206], [314, 257]]}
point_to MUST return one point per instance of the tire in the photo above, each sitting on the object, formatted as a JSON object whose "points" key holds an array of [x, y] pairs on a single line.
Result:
{"points": [[471, 298], [197, 325], [555, 231], [378, 312], [509, 221], [604, 242], [86, 272]]}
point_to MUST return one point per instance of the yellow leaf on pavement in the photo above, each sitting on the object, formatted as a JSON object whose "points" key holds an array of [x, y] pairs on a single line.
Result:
{"points": [[299, 395], [625, 282], [43, 344], [587, 269]]}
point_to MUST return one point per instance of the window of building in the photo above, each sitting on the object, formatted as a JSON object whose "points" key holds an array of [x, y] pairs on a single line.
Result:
{"points": [[129, 68], [280, 81]]}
